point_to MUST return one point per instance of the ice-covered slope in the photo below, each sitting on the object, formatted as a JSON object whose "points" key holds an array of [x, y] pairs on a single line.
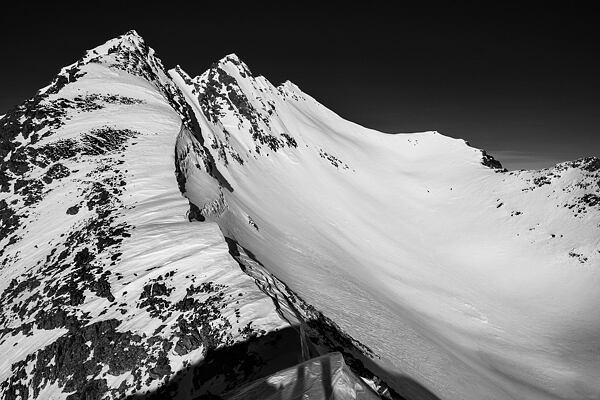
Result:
{"points": [[476, 282]]}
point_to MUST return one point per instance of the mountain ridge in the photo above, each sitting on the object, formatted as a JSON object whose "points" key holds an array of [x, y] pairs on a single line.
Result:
{"points": [[93, 147], [530, 209], [106, 291]]}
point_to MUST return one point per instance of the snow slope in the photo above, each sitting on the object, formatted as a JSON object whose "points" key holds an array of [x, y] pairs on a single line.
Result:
{"points": [[107, 288], [476, 282], [435, 273]]}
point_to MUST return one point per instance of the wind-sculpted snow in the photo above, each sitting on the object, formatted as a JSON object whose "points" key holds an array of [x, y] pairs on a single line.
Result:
{"points": [[476, 282]]}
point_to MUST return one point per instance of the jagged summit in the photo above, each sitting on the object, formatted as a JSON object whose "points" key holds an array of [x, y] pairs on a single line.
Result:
{"points": [[127, 52], [132, 35], [130, 40], [233, 58], [289, 86]]}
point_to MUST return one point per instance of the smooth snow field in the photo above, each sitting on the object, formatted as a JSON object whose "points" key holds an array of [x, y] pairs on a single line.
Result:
{"points": [[477, 283]]}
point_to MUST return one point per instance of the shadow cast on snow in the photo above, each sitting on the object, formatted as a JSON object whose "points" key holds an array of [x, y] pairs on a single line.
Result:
{"points": [[227, 368]]}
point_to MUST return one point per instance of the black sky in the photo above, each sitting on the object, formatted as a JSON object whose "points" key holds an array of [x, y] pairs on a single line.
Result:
{"points": [[522, 82]]}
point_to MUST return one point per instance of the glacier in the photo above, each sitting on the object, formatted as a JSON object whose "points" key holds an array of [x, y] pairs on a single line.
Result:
{"points": [[151, 218]]}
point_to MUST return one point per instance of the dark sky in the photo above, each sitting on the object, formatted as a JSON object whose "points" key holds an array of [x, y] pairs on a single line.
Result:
{"points": [[523, 83]]}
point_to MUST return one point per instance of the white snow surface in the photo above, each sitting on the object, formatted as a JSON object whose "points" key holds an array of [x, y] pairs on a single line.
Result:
{"points": [[477, 283], [464, 281]]}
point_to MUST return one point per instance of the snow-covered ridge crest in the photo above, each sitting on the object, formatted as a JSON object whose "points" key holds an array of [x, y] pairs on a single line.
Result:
{"points": [[230, 85], [128, 42]]}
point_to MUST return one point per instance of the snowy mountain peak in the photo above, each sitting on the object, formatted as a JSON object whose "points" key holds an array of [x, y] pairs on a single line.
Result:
{"points": [[127, 52], [132, 35], [186, 236], [289, 86], [231, 58], [128, 42]]}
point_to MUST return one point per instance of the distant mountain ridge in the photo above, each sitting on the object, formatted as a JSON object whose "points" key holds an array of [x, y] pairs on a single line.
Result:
{"points": [[169, 236]]}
